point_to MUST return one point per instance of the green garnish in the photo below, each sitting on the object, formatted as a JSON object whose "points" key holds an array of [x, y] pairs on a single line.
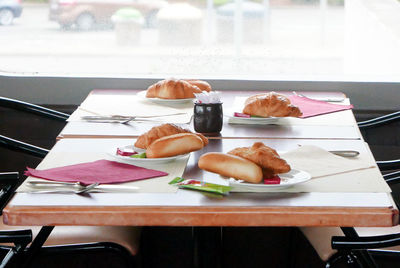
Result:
{"points": [[142, 155]]}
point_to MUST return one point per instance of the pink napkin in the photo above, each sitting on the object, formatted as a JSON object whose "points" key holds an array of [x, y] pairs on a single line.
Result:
{"points": [[310, 107], [101, 171]]}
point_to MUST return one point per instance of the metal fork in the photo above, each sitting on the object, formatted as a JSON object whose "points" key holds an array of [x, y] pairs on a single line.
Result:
{"points": [[99, 188], [123, 119], [80, 189], [109, 119]]}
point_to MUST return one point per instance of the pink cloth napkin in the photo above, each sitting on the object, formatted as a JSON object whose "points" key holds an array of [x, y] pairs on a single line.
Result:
{"points": [[310, 107], [101, 171]]}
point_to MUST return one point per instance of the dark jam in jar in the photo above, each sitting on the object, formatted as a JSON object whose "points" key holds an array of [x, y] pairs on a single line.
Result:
{"points": [[208, 117]]}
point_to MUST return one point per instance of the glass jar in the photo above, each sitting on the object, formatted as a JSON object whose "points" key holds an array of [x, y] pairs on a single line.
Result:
{"points": [[208, 117]]}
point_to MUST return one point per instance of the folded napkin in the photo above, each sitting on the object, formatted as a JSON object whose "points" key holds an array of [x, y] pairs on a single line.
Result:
{"points": [[310, 107], [319, 162], [101, 171]]}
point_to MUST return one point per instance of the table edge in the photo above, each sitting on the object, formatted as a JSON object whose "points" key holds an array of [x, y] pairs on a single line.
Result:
{"points": [[197, 216]]}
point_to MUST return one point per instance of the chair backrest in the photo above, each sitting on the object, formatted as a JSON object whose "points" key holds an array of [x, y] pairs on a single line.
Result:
{"points": [[18, 162], [28, 107], [20, 146], [31, 108], [392, 177], [389, 165], [9, 181], [379, 121]]}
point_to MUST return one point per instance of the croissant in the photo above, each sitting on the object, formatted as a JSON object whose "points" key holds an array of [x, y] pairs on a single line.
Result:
{"points": [[144, 140], [267, 158], [264, 95], [172, 89], [270, 104], [202, 85]]}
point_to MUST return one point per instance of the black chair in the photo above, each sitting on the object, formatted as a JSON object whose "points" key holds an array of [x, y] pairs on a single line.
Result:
{"points": [[28, 123], [378, 122], [32, 108], [353, 245], [352, 248], [364, 249], [392, 178], [23, 147], [35, 255], [21, 238], [361, 249]]}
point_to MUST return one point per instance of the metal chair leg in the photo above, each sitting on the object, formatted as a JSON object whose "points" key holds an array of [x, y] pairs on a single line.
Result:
{"points": [[37, 244], [362, 256]]}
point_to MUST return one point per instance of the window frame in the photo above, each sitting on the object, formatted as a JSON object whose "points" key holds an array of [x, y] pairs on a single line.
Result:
{"points": [[67, 90]]}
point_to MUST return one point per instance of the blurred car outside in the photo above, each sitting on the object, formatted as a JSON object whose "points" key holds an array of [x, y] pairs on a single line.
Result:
{"points": [[85, 14], [9, 9]]}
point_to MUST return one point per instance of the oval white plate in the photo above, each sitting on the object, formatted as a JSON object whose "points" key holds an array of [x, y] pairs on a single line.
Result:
{"points": [[287, 180], [142, 94], [142, 160], [250, 120]]}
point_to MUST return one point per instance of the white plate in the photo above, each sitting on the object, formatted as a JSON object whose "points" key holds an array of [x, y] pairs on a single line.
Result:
{"points": [[142, 94], [250, 120], [287, 180], [142, 160]]}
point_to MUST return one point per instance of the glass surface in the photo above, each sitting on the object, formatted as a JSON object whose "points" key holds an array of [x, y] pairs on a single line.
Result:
{"points": [[328, 40]]}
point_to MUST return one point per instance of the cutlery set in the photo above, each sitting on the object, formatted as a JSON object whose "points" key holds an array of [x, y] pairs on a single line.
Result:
{"points": [[327, 99], [121, 118], [77, 187]]}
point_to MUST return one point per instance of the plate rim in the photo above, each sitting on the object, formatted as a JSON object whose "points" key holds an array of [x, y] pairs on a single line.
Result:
{"points": [[144, 160], [142, 95], [260, 186], [230, 114]]}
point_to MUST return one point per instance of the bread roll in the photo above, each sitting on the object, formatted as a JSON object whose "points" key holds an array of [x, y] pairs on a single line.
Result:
{"points": [[144, 140], [172, 89], [231, 166], [202, 85], [176, 144]]}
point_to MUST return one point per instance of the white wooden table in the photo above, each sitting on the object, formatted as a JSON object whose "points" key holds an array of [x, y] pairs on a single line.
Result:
{"points": [[340, 125], [190, 208]]}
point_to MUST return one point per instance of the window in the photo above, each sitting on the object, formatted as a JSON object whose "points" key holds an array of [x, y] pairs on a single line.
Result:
{"points": [[328, 40]]}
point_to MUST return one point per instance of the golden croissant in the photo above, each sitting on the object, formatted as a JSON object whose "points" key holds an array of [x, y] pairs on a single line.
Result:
{"points": [[144, 140], [270, 104], [267, 158], [172, 89], [202, 85]]}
